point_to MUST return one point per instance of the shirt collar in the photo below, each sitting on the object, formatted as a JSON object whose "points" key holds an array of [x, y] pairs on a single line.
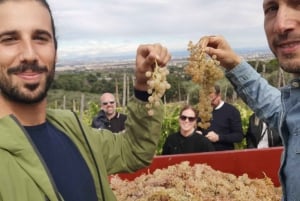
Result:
{"points": [[220, 105]]}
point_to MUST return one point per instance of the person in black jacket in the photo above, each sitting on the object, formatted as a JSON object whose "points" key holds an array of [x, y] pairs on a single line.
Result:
{"points": [[108, 117], [226, 124], [260, 135], [187, 139]]}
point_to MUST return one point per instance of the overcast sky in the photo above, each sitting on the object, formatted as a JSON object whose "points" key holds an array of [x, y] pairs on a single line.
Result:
{"points": [[107, 27]]}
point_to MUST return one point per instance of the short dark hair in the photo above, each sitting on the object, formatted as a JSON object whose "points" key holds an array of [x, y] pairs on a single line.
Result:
{"points": [[217, 89], [46, 5]]}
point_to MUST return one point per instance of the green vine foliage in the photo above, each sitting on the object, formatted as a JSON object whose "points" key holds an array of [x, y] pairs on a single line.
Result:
{"points": [[91, 112], [170, 124], [245, 112]]}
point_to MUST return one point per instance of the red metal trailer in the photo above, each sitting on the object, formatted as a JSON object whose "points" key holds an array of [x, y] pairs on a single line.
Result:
{"points": [[255, 162]]}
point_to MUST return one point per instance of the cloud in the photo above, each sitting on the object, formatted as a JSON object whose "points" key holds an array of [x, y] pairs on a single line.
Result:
{"points": [[118, 26]]}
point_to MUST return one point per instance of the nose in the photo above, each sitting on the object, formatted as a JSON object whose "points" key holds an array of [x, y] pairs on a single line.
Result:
{"points": [[28, 53], [284, 21]]}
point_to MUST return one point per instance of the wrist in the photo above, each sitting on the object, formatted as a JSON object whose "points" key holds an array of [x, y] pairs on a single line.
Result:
{"points": [[141, 94]]}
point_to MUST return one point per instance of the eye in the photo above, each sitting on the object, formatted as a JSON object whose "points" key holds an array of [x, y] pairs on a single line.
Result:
{"points": [[41, 38], [270, 9], [8, 39]]}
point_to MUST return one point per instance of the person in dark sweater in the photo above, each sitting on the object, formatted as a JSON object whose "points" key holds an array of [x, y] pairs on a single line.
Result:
{"points": [[187, 139], [226, 124], [108, 117]]}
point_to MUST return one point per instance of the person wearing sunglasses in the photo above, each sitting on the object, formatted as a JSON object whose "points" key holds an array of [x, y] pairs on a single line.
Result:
{"points": [[108, 117], [226, 124], [187, 139]]}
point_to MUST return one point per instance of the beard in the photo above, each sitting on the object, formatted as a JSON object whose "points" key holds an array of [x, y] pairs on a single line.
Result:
{"points": [[288, 62], [290, 65], [37, 91]]}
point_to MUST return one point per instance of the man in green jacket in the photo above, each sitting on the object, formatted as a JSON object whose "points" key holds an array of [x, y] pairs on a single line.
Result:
{"points": [[49, 154]]}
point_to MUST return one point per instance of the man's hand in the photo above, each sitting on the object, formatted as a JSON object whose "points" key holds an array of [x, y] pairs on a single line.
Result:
{"points": [[145, 61], [212, 136], [217, 45]]}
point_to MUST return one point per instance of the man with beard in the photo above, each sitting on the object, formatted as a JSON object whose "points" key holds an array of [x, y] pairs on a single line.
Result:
{"points": [[279, 108], [49, 154], [108, 117]]}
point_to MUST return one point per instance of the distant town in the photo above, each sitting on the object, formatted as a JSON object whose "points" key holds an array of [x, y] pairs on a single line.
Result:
{"points": [[179, 59]]}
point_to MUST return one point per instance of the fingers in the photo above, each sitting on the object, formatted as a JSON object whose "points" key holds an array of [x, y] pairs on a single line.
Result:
{"points": [[204, 41], [146, 52], [152, 52], [165, 57], [212, 136], [211, 44], [211, 51], [214, 42], [218, 46], [145, 61]]}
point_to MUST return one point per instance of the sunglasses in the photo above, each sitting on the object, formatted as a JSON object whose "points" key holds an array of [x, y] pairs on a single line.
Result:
{"points": [[110, 102], [191, 119]]}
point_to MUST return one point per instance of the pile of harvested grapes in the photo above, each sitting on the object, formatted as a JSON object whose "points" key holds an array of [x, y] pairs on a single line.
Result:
{"points": [[200, 182]]}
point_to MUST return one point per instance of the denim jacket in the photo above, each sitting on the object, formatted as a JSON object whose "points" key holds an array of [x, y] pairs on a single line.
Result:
{"points": [[281, 110]]}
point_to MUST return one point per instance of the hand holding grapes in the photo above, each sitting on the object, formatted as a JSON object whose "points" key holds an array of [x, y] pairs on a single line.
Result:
{"points": [[147, 56], [218, 46]]}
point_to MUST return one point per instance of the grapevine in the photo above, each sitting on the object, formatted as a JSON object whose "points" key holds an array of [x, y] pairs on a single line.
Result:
{"points": [[157, 86], [205, 71]]}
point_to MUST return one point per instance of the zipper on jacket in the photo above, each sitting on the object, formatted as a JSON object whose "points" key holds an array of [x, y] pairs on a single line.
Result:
{"points": [[41, 159]]}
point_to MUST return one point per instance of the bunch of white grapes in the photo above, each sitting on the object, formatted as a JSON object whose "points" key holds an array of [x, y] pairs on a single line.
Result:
{"points": [[157, 86], [204, 71]]}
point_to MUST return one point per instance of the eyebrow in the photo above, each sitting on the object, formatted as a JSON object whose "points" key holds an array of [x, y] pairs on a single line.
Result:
{"points": [[36, 32], [267, 2], [5, 33]]}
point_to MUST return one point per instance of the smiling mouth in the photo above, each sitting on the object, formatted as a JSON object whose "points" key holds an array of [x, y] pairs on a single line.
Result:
{"points": [[28, 75], [288, 47], [289, 44]]}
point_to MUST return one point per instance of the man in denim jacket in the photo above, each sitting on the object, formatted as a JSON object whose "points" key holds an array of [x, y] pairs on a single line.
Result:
{"points": [[279, 108]]}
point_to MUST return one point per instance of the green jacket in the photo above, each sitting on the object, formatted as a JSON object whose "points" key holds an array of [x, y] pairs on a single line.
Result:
{"points": [[24, 176]]}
